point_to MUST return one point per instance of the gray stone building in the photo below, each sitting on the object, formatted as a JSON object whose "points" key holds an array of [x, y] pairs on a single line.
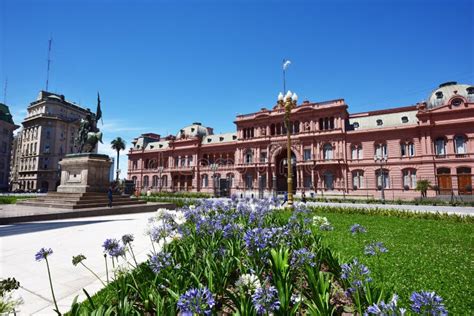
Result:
{"points": [[48, 134], [6, 137]]}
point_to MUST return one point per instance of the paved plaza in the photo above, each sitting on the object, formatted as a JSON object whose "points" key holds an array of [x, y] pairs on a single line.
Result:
{"points": [[20, 242]]}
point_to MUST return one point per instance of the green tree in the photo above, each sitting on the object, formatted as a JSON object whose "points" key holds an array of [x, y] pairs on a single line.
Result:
{"points": [[118, 144], [423, 186]]}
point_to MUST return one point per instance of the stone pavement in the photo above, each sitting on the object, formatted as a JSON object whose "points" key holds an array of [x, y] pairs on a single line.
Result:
{"points": [[67, 238], [16, 213], [459, 210]]}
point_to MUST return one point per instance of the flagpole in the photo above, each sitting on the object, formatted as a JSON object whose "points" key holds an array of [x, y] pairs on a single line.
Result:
{"points": [[284, 77]]}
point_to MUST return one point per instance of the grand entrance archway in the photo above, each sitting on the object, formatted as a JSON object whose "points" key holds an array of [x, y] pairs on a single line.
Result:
{"points": [[282, 171]]}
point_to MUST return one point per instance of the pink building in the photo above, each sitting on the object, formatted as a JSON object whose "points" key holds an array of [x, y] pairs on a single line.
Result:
{"points": [[334, 152]]}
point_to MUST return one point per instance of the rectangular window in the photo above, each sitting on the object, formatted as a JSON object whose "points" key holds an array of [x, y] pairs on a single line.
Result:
{"points": [[383, 178], [307, 182], [409, 179], [249, 181], [403, 150], [263, 156], [411, 149], [354, 153], [307, 154], [440, 147]]}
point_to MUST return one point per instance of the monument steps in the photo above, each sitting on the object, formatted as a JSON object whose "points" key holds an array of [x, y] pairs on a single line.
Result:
{"points": [[69, 204], [79, 200]]}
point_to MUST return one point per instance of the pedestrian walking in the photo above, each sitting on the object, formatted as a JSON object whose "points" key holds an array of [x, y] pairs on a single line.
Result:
{"points": [[285, 198], [110, 196]]}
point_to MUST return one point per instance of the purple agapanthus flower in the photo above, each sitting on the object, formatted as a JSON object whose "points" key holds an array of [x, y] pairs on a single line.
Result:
{"points": [[427, 303], [160, 232], [357, 228], [386, 309], [356, 274], [160, 261], [265, 300], [127, 239], [196, 301], [43, 253], [113, 247], [375, 248], [302, 257]]}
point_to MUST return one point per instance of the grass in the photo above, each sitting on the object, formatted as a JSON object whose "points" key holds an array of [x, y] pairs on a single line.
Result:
{"points": [[427, 251], [429, 254], [13, 199]]}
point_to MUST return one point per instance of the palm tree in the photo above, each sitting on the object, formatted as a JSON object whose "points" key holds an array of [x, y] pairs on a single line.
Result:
{"points": [[118, 144]]}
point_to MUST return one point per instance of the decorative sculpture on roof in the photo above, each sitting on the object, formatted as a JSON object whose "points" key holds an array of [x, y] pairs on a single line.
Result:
{"points": [[89, 134]]}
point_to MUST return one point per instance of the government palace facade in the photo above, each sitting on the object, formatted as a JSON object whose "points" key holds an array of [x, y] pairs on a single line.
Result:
{"points": [[334, 152]]}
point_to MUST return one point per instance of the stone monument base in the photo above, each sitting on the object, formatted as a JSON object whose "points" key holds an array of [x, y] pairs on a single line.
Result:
{"points": [[84, 184], [81, 173]]}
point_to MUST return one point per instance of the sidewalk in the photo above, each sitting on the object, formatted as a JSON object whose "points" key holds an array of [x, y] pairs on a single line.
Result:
{"points": [[67, 238]]}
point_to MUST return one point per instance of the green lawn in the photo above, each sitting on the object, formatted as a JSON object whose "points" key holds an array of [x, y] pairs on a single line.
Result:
{"points": [[428, 254]]}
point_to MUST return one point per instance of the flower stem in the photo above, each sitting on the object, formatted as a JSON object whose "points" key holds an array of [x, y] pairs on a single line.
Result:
{"points": [[153, 246], [106, 268], [51, 285], [133, 255], [93, 274]]}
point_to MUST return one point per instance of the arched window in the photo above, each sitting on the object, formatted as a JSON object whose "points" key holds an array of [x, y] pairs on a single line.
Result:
{"points": [[205, 181], [383, 179], [145, 181], [164, 181], [278, 129], [134, 179], [460, 145], [409, 179], [154, 181], [327, 152], [272, 129], [440, 146], [358, 179]]}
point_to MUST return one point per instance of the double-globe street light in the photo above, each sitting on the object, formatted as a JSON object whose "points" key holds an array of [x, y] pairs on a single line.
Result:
{"points": [[381, 160], [288, 102], [214, 167]]}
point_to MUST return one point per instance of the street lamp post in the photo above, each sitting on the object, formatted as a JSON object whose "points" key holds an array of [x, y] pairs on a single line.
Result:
{"points": [[160, 171], [214, 167], [381, 160], [288, 102]]}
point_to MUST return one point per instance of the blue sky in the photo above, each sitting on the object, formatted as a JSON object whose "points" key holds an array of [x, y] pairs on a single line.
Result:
{"points": [[161, 65]]}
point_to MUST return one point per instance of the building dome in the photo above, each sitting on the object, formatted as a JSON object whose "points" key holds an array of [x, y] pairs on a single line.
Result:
{"points": [[194, 130], [448, 90]]}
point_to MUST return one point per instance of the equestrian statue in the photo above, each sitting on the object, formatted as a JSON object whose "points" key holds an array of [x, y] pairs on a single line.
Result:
{"points": [[89, 134]]}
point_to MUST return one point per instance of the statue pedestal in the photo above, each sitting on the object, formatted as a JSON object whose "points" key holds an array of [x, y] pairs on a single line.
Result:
{"points": [[81, 173]]}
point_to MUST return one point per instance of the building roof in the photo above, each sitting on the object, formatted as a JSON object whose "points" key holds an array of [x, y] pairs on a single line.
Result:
{"points": [[219, 138], [194, 130], [5, 114], [446, 91], [158, 145]]}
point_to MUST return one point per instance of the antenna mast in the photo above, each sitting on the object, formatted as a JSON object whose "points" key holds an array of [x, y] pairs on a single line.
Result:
{"points": [[49, 62], [5, 91]]}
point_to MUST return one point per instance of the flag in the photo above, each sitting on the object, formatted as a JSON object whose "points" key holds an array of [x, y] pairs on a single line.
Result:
{"points": [[98, 115], [286, 63]]}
